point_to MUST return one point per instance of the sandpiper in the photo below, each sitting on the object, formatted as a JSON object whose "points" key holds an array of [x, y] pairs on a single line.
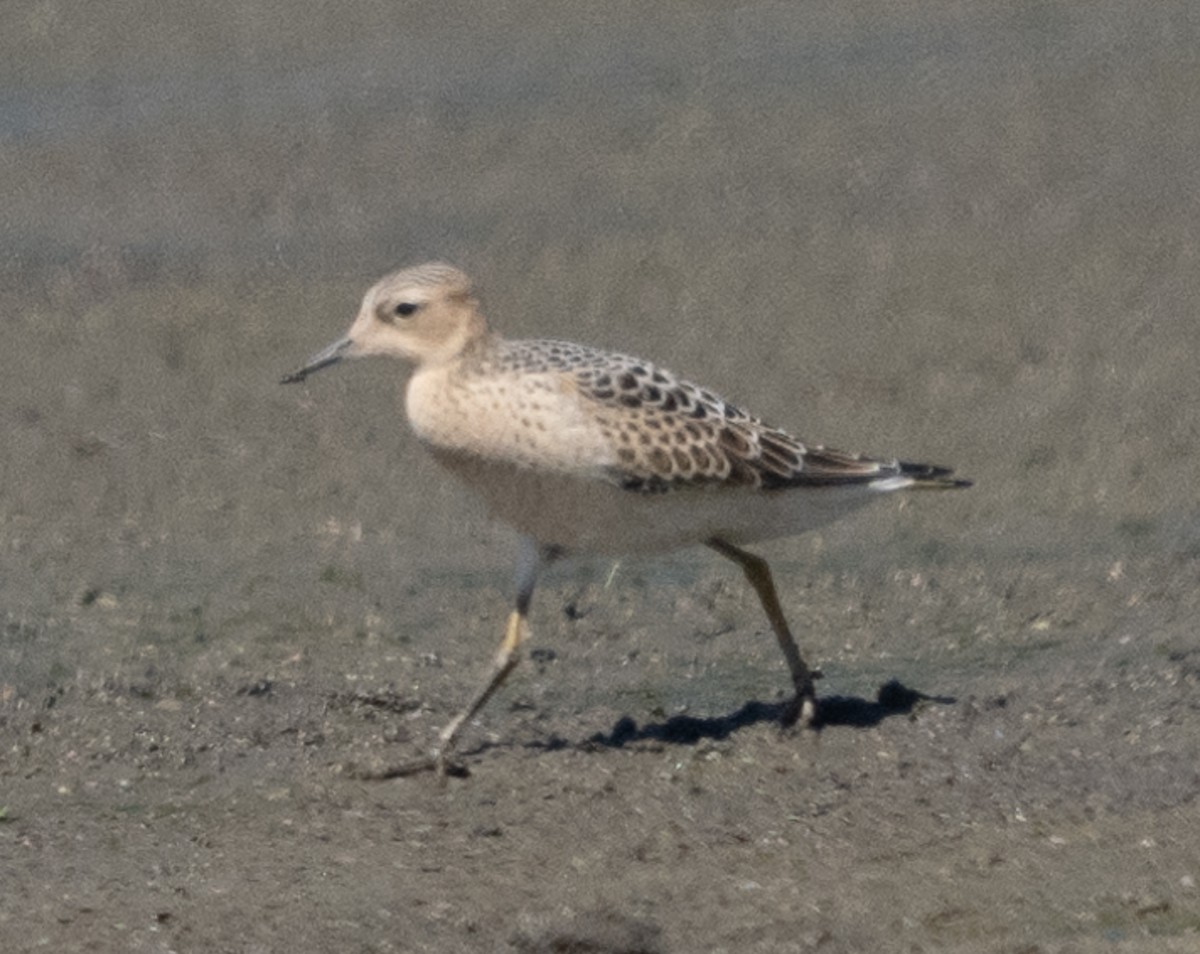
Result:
{"points": [[590, 451]]}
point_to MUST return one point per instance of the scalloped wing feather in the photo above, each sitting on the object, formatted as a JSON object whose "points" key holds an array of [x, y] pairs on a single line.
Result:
{"points": [[669, 434]]}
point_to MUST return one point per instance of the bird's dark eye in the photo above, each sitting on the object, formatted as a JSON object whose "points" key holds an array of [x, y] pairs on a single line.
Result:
{"points": [[405, 308]]}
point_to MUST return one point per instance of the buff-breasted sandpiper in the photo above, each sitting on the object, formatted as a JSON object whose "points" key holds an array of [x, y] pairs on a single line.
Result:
{"points": [[589, 451]]}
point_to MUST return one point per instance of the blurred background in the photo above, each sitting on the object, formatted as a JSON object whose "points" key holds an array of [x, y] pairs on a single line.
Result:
{"points": [[952, 231]]}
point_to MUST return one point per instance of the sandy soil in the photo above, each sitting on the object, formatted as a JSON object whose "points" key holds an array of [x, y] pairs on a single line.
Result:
{"points": [[954, 234]]}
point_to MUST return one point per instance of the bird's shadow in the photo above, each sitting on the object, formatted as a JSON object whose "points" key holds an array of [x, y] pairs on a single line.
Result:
{"points": [[892, 699]]}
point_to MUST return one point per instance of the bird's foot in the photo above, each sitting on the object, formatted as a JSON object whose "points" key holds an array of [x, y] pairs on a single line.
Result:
{"points": [[435, 762], [801, 711]]}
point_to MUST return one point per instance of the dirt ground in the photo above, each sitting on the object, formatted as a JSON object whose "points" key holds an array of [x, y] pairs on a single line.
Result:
{"points": [[955, 232]]}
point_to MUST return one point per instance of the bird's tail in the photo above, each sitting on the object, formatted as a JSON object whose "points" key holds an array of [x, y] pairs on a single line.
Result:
{"points": [[931, 476]]}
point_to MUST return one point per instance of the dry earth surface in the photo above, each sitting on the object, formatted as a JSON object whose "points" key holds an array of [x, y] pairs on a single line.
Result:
{"points": [[959, 232]]}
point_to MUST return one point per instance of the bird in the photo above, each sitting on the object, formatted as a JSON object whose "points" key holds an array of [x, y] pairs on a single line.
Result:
{"points": [[588, 451]]}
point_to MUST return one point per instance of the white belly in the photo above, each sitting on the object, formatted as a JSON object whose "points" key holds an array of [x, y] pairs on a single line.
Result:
{"points": [[585, 515]]}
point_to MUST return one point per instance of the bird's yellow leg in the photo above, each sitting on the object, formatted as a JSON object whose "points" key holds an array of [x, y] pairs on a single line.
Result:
{"points": [[529, 562], [505, 661], [758, 573]]}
